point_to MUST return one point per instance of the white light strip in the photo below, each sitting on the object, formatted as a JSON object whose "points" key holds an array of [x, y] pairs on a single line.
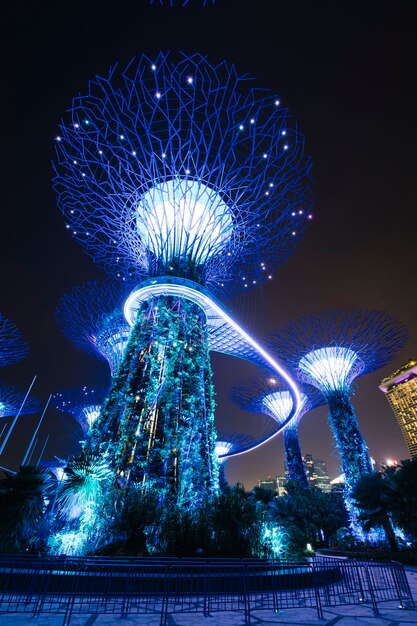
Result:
{"points": [[206, 303]]}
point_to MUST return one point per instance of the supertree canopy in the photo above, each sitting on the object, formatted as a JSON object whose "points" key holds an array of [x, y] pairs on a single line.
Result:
{"points": [[182, 168], [13, 346], [229, 444], [185, 176], [11, 400], [329, 350], [268, 396], [84, 404], [91, 317]]}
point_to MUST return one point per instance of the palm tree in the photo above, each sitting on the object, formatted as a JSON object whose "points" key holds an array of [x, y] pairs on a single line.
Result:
{"points": [[22, 502], [81, 491]]}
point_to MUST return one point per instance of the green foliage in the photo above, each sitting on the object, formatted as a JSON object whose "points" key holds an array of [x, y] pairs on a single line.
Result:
{"points": [[372, 495], [238, 524], [390, 499], [232, 526], [308, 515], [81, 490], [80, 504], [22, 502], [403, 505]]}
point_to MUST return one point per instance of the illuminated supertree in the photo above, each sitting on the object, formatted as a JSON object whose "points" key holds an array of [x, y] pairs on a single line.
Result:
{"points": [[268, 396], [84, 404], [184, 176], [91, 317], [229, 444], [13, 346], [11, 400], [329, 350]]}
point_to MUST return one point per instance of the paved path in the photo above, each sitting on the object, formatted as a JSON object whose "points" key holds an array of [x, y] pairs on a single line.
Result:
{"points": [[390, 615]]}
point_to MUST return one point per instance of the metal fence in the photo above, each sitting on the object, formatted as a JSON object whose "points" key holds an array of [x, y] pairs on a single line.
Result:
{"points": [[163, 586]]}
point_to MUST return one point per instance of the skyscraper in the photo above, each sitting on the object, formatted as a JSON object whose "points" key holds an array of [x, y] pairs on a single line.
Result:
{"points": [[317, 474], [401, 392]]}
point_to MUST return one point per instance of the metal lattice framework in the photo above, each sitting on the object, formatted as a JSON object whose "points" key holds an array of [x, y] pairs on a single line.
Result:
{"points": [[266, 395], [84, 404], [11, 400], [183, 168], [13, 346], [331, 348], [91, 317], [229, 443]]}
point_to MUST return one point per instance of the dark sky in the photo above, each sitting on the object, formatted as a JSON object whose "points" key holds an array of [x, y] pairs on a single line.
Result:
{"points": [[347, 73]]}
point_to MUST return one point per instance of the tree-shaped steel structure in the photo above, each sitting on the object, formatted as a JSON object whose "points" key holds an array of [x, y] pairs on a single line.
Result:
{"points": [[266, 395], [329, 350], [229, 443], [83, 403], [91, 317], [184, 174], [11, 400], [13, 346]]}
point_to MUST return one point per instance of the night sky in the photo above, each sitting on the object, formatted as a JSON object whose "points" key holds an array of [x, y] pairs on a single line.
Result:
{"points": [[347, 73]]}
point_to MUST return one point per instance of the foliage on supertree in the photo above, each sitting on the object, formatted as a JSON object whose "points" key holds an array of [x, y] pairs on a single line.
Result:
{"points": [[91, 317], [268, 396], [84, 404], [167, 428], [13, 346], [229, 443], [11, 400], [329, 350], [182, 168]]}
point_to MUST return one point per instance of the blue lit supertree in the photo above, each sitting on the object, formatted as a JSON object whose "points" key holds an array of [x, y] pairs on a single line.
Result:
{"points": [[11, 400], [91, 317], [186, 177], [329, 350], [84, 404], [13, 346], [229, 444], [266, 395]]}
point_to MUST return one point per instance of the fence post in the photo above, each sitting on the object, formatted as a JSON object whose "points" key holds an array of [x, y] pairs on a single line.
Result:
{"points": [[316, 591], [371, 592]]}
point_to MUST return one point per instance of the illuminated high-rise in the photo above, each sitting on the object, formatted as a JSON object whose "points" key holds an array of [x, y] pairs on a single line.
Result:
{"points": [[401, 392]]}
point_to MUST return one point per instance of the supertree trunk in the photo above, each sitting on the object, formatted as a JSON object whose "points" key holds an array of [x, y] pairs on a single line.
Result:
{"points": [[158, 421], [293, 459], [352, 448]]}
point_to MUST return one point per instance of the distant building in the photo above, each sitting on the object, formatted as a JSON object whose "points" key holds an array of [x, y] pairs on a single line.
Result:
{"points": [[401, 392], [337, 485], [270, 484], [277, 485], [281, 486], [317, 474]]}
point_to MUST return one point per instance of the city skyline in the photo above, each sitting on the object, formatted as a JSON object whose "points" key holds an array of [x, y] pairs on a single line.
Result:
{"points": [[343, 90]]}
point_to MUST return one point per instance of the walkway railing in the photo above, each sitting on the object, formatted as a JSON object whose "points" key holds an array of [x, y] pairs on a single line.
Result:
{"points": [[164, 586]]}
